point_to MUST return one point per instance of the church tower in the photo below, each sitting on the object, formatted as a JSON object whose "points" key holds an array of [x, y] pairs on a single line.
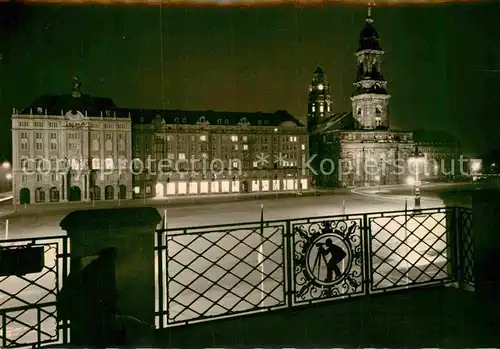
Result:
{"points": [[319, 104], [370, 100]]}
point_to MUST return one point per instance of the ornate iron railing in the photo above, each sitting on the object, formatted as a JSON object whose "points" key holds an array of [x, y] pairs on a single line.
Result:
{"points": [[28, 302], [212, 272]]}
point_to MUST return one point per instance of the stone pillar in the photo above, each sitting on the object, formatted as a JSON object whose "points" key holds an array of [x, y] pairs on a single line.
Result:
{"points": [[130, 232], [486, 241]]}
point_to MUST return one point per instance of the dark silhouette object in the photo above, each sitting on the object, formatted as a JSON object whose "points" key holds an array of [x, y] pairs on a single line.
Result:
{"points": [[337, 254], [89, 300]]}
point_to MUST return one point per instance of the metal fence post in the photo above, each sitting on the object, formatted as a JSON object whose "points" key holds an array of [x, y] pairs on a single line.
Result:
{"points": [[366, 244], [289, 287], [453, 244], [159, 243], [65, 258]]}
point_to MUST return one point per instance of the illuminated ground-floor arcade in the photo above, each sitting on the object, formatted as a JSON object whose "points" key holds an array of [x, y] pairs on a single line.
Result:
{"points": [[225, 186]]}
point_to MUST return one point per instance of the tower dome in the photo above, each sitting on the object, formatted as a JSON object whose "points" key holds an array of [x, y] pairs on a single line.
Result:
{"points": [[368, 38]]}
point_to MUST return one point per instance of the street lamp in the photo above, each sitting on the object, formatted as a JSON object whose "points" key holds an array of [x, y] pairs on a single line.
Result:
{"points": [[417, 157]]}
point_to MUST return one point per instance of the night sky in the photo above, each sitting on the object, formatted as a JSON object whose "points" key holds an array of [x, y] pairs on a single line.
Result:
{"points": [[257, 59]]}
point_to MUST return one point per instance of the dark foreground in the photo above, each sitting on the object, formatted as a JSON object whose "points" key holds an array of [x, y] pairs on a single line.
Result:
{"points": [[432, 317]]}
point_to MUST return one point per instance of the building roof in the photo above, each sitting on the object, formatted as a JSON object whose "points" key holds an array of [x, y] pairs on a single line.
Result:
{"points": [[96, 106], [212, 117], [337, 121], [61, 104], [433, 136]]}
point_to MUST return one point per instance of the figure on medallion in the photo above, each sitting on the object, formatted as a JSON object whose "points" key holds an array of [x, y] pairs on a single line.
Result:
{"points": [[336, 253]]}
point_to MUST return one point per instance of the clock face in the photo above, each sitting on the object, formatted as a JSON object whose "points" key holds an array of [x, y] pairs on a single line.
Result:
{"points": [[320, 87]]}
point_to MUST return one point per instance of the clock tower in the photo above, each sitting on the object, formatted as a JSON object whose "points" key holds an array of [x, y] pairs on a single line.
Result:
{"points": [[370, 100], [319, 104]]}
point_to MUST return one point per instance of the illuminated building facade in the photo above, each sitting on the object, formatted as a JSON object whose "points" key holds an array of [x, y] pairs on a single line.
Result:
{"points": [[68, 148], [360, 146], [212, 152]]}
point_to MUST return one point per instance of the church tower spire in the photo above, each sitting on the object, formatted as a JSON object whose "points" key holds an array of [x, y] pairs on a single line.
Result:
{"points": [[370, 100], [319, 102]]}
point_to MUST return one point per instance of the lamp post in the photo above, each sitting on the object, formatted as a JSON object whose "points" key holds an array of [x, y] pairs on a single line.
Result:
{"points": [[417, 157]]}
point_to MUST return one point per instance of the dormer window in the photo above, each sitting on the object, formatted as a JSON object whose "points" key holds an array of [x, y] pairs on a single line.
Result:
{"points": [[219, 121], [184, 120], [39, 110], [265, 122], [226, 121], [176, 120]]}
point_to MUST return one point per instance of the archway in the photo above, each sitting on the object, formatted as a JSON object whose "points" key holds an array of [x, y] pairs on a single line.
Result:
{"points": [[75, 194], [109, 192], [39, 195], [123, 192], [24, 196], [159, 190], [54, 194]]}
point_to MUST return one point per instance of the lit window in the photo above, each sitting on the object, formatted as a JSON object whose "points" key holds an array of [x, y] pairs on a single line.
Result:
{"points": [[245, 146], [313, 108], [137, 190], [303, 146], [234, 138], [321, 108], [182, 156], [96, 163], [235, 163], [293, 138], [275, 130], [108, 165], [203, 138]]}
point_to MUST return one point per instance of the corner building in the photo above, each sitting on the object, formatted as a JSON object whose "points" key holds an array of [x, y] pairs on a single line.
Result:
{"points": [[213, 152], [68, 148], [360, 144]]}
